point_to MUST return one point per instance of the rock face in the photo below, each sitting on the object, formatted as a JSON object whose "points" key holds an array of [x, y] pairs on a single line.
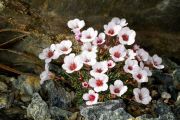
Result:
{"points": [[57, 95], [114, 110], [38, 109], [164, 111], [27, 84], [110, 110]]}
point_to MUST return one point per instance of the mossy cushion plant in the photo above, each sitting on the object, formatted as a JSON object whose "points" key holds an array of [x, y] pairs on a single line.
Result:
{"points": [[108, 66]]}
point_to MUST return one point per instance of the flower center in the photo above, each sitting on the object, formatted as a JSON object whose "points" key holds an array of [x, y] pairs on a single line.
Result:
{"points": [[111, 32], [155, 63], [85, 84], [72, 66], [91, 97], [89, 49], [109, 64], [87, 60], [64, 49], [88, 37], [140, 96], [125, 37], [98, 70], [99, 83], [116, 90], [99, 41], [117, 54], [130, 67], [50, 54], [139, 76]]}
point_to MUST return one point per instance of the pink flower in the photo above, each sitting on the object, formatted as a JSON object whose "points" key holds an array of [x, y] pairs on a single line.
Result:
{"points": [[64, 47], [99, 68], [110, 64], [99, 83], [89, 47], [118, 21], [49, 53], [131, 54], [118, 53], [140, 75], [88, 35], [88, 58], [127, 36], [91, 97], [149, 73], [156, 61], [142, 55], [118, 88], [76, 24], [72, 63], [78, 36], [142, 95], [111, 29], [100, 39], [85, 84], [130, 66]]}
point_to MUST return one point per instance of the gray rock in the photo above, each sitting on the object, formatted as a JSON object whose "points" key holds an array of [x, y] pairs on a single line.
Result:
{"points": [[168, 116], [164, 111], [176, 111], [59, 114], [3, 87], [176, 77], [165, 83], [178, 99], [25, 98], [38, 109], [110, 110], [26, 84], [3, 101], [57, 95]]}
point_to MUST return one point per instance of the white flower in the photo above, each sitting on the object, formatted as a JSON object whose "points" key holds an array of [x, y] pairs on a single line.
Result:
{"points": [[142, 55], [64, 47], [88, 58], [88, 35], [49, 53], [127, 36], [72, 63], [99, 83], [89, 47], [130, 66], [142, 95], [78, 36], [131, 54], [118, 21], [99, 68], [46, 75], [100, 39], [111, 29], [140, 75], [118, 53], [149, 73], [110, 64], [118, 88], [156, 61], [91, 97], [76, 24], [85, 84]]}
